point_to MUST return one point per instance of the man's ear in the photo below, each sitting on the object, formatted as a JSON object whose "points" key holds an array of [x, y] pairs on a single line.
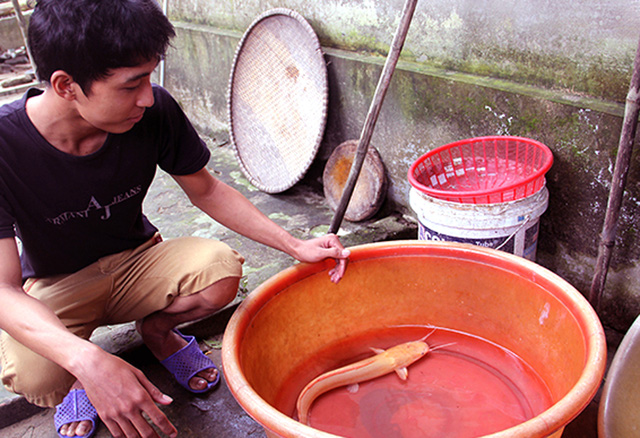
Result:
{"points": [[63, 85]]}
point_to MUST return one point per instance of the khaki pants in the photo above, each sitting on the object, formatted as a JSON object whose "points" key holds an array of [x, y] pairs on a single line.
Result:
{"points": [[118, 288]]}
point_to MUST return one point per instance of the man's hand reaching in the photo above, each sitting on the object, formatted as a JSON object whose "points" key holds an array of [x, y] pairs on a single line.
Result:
{"points": [[121, 395], [320, 248]]}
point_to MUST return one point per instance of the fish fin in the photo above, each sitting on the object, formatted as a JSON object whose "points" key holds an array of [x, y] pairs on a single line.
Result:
{"points": [[377, 350], [403, 373], [353, 388]]}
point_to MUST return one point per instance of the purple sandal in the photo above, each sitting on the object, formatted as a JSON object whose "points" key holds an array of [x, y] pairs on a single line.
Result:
{"points": [[75, 407], [187, 362]]}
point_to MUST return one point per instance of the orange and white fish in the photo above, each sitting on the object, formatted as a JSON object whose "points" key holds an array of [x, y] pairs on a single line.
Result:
{"points": [[396, 359]]}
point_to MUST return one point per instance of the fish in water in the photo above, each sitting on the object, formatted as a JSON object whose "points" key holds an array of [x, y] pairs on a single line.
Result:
{"points": [[396, 359]]}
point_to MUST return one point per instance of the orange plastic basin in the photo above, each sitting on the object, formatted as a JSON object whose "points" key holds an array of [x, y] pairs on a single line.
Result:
{"points": [[491, 294]]}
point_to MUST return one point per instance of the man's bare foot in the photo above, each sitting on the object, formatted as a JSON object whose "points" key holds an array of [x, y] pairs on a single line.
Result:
{"points": [[164, 343], [76, 428]]}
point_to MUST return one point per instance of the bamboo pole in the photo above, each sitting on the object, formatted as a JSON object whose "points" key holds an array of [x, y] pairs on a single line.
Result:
{"points": [[23, 30], [374, 111], [616, 193]]}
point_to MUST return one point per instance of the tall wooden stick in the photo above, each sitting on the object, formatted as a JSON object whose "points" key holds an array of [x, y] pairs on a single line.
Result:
{"points": [[23, 30], [374, 111], [625, 148]]}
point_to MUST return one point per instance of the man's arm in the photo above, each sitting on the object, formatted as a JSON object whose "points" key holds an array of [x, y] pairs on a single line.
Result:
{"points": [[231, 209], [118, 391], [27, 319]]}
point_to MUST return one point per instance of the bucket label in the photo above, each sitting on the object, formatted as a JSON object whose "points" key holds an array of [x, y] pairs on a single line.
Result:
{"points": [[531, 241], [425, 233]]}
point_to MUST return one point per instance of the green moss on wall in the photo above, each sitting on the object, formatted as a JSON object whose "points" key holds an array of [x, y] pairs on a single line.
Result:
{"points": [[595, 77]]}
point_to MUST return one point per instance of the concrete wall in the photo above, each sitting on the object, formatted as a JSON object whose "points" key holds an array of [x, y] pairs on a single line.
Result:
{"points": [[556, 71], [582, 46]]}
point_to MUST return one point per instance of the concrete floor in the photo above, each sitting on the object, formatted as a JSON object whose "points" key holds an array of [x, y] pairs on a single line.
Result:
{"points": [[215, 414]]}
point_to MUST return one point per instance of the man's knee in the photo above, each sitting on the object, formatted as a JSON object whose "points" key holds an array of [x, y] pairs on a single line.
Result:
{"points": [[219, 274], [212, 259], [220, 293]]}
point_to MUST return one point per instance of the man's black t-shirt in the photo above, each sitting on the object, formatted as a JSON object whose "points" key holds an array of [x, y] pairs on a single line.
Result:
{"points": [[71, 210]]}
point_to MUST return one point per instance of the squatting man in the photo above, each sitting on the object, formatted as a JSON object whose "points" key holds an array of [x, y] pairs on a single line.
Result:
{"points": [[76, 161]]}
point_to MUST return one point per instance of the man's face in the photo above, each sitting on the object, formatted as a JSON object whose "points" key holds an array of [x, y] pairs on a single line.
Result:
{"points": [[116, 103]]}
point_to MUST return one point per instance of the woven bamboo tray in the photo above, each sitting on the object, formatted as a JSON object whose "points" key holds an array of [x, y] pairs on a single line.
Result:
{"points": [[278, 96]]}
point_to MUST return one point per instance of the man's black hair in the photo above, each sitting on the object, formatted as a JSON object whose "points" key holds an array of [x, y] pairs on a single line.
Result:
{"points": [[87, 38]]}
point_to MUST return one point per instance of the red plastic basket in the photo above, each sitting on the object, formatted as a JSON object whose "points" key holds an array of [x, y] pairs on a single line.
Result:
{"points": [[483, 170]]}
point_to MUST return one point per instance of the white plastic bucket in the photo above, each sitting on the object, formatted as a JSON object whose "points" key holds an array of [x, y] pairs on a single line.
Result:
{"points": [[508, 226]]}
